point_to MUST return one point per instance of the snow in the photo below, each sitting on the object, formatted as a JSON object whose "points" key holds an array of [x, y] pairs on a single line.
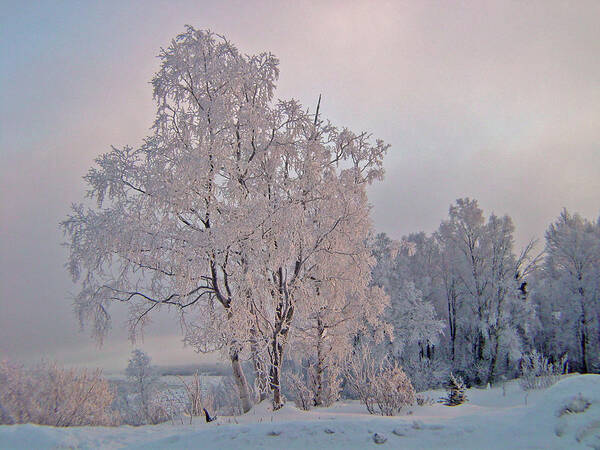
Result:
{"points": [[490, 419]]}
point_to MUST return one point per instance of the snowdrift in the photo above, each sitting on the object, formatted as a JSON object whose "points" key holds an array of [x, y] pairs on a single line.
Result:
{"points": [[566, 415]]}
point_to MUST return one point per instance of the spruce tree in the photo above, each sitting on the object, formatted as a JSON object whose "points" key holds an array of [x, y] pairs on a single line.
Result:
{"points": [[456, 391]]}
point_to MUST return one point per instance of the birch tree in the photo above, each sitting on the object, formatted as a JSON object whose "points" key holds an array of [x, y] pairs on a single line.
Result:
{"points": [[326, 326], [229, 211], [405, 271], [482, 277], [144, 379], [569, 290]]}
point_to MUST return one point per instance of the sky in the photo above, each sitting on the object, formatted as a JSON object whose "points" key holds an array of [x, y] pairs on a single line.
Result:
{"points": [[494, 100]]}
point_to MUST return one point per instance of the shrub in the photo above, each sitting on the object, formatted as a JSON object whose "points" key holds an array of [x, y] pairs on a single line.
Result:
{"points": [[537, 372], [424, 400], [309, 388], [303, 396], [176, 405], [426, 373], [226, 397], [382, 386], [576, 405], [197, 396], [393, 390], [48, 394]]}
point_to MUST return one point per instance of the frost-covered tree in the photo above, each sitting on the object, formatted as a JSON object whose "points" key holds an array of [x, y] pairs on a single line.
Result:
{"points": [[482, 277], [172, 219], [467, 275], [143, 378], [456, 391], [313, 253], [326, 327], [568, 292], [229, 212], [405, 270], [414, 321]]}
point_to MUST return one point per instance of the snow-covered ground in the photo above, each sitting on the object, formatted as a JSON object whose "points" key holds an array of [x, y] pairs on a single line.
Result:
{"points": [[494, 418]]}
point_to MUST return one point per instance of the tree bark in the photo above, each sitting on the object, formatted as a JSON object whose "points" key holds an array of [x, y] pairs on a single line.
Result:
{"points": [[276, 354], [240, 379], [284, 313], [492, 370], [583, 343], [584, 336], [451, 297], [318, 400], [260, 373], [275, 372]]}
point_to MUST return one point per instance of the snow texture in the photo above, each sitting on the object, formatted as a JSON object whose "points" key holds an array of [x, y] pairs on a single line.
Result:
{"points": [[535, 419]]}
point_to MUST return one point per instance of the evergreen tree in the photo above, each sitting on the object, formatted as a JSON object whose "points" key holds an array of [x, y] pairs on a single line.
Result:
{"points": [[456, 391]]}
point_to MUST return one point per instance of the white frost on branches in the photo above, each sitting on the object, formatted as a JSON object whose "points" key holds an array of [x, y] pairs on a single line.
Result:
{"points": [[238, 210]]}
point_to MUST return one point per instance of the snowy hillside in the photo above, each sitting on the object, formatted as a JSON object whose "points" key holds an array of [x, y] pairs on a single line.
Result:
{"points": [[494, 418]]}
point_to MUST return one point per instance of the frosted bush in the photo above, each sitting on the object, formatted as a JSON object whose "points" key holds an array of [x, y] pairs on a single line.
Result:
{"points": [[576, 405], [313, 386], [48, 394], [163, 408], [537, 372], [178, 404], [170, 405], [142, 402], [393, 390], [382, 386], [424, 400], [197, 396], [303, 396], [426, 373], [226, 397]]}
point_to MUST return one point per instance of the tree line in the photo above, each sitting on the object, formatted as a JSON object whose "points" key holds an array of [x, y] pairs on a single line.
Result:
{"points": [[464, 299]]}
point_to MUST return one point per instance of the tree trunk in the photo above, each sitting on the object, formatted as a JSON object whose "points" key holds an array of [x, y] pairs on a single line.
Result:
{"points": [[451, 296], [240, 379], [275, 372], [284, 313], [583, 343], [430, 350], [584, 352], [492, 370], [318, 401], [584, 336], [260, 372], [481, 341], [276, 355]]}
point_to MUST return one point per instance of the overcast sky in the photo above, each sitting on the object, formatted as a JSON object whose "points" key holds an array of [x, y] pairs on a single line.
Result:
{"points": [[499, 101]]}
